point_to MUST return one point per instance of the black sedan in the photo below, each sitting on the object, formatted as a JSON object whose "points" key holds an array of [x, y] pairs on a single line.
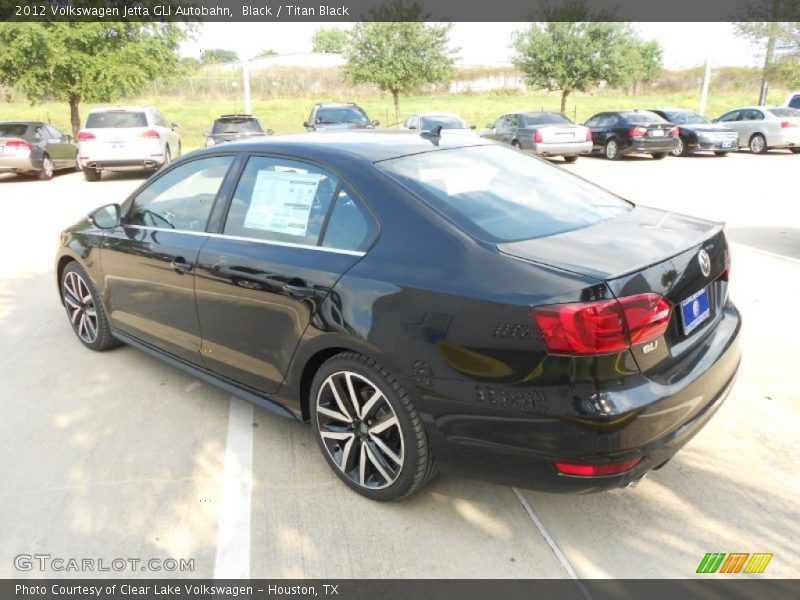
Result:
{"points": [[697, 134], [35, 148], [618, 133], [228, 128], [422, 301]]}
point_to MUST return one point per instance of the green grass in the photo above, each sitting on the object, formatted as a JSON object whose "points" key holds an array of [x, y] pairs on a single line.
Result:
{"points": [[286, 115]]}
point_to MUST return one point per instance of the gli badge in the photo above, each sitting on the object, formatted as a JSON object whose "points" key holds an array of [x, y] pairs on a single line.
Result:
{"points": [[705, 262]]}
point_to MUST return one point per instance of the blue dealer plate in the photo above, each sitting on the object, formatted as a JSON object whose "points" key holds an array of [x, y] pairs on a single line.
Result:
{"points": [[695, 310]]}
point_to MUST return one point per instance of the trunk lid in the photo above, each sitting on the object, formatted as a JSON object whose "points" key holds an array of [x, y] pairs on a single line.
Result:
{"points": [[556, 134]]}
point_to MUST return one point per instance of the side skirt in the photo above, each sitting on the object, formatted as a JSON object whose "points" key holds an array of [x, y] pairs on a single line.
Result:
{"points": [[259, 400]]}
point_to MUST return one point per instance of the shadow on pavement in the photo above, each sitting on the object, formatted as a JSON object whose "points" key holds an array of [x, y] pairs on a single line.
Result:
{"points": [[778, 240]]}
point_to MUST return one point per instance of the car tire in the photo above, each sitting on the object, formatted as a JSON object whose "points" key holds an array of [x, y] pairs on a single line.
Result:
{"points": [[570, 159], [721, 152], [659, 155], [612, 150], [516, 144], [47, 168], [682, 149], [795, 150], [180, 150], [85, 309], [368, 429], [90, 174], [758, 144]]}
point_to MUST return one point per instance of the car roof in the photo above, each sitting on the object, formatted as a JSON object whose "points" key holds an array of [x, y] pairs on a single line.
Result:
{"points": [[336, 104], [22, 123], [671, 110], [121, 109], [430, 113], [373, 146], [538, 112], [229, 117]]}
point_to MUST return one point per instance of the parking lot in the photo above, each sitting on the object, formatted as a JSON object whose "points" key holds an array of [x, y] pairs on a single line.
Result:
{"points": [[117, 455]]}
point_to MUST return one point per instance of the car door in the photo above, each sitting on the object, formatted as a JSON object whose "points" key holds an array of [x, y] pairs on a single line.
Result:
{"points": [[291, 231], [60, 148], [510, 126], [149, 261], [732, 119], [599, 131]]}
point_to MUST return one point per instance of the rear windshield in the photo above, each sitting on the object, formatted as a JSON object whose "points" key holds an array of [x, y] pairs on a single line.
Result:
{"points": [[446, 122], [642, 116], [237, 126], [545, 119], [116, 118], [341, 114], [13, 129], [686, 118], [785, 112], [500, 195]]}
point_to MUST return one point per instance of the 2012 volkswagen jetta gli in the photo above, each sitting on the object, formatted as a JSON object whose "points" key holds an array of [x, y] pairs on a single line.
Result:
{"points": [[422, 301]]}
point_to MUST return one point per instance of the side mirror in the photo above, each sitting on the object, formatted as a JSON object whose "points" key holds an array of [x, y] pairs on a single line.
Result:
{"points": [[175, 126], [306, 124], [376, 123], [270, 132], [472, 126], [106, 217]]}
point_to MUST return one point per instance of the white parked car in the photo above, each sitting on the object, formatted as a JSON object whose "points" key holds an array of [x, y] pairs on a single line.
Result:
{"points": [[126, 138], [428, 121], [762, 128], [793, 100]]}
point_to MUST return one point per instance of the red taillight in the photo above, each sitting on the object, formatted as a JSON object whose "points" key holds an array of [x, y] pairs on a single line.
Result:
{"points": [[786, 124], [588, 135], [20, 144], [674, 132], [726, 273], [151, 134], [537, 137], [85, 136], [603, 326], [597, 470], [639, 131]]}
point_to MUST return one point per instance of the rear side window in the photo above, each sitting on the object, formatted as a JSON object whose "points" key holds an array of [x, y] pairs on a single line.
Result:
{"points": [[729, 117], [499, 195], [281, 200], [116, 118], [181, 199], [351, 226]]}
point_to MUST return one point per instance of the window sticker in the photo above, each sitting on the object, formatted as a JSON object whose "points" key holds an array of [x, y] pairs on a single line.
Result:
{"points": [[282, 201]]}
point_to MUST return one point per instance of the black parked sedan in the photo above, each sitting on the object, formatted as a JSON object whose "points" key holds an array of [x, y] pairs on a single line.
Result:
{"points": [[421, 301], [618, 133], [697, 134], [35, 148], [337, 116], [235, 127]]}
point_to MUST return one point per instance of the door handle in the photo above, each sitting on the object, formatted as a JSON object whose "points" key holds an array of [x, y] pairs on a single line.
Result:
{"points": [[180, 265], [298, 290]]}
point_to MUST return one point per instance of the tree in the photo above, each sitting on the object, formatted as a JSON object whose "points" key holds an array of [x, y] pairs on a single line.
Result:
{"points": [[399, 57], [642, 60], [215, 56], [265, 54], [574, 56], [329, 41], [94, 62], [768, 36]]}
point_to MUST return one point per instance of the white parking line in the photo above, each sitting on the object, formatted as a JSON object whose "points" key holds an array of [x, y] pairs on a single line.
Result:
{"points": [[552, 543], [233, 536]]}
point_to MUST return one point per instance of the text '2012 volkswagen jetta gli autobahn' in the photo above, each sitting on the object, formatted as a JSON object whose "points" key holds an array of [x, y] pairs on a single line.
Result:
{"points": [[423, 302]]}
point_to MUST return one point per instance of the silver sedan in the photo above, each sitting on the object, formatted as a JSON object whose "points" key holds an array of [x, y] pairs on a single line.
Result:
{"points": [[762, 128]]}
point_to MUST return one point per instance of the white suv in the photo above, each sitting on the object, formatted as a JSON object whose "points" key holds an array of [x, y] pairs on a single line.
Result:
{"points": [[126, 138]]}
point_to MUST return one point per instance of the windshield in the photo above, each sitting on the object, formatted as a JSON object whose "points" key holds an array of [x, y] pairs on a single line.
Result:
{"points": [[545, 119], [785, 112], [13, 129], [445, 121], [686, 118], [116, 118], [341, 114], [500, 195], [642, 117], [237, 126]]}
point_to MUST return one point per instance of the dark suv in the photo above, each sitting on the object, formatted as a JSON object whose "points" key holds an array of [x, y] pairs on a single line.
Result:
{"points": [[234, 127], [338, 116]]}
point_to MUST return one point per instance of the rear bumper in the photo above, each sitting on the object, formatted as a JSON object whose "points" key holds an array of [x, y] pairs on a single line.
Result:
{"points": [[562, 149], [715, 146], [122, 164], [505, 437], [17, 164], [667, 144], [786, 140]]}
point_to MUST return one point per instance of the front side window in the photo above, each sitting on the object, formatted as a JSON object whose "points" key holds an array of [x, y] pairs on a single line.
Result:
{"points": [[729, 117], [182, 198], [281, 200], [499, 195]]}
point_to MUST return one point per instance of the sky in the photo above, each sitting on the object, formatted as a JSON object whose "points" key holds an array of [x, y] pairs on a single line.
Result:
{"points": [[486, 43]]}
